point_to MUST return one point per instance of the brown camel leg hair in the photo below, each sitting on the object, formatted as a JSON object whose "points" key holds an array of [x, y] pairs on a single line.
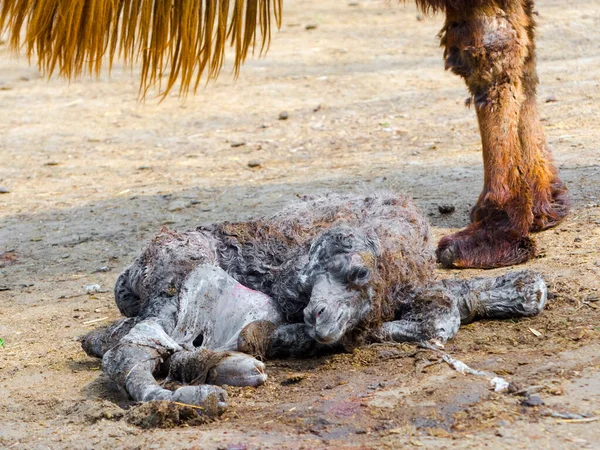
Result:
{"points": [[489, 46], [550, 201]]}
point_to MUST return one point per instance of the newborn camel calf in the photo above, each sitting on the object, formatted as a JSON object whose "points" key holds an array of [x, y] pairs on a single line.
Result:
{"points": [[326, 274]]}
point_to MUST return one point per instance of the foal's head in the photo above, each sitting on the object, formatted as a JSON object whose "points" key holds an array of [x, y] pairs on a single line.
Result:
{"points": [[340, 272]]}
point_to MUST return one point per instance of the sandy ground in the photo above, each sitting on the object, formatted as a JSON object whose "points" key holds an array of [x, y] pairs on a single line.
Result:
{"points": [[92, 174]]}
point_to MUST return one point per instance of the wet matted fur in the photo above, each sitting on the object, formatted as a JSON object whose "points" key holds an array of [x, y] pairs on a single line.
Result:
{"points": [[328, 273]]}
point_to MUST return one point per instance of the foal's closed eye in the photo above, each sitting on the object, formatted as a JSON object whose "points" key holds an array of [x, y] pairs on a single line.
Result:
{"points": [[359, 275]]}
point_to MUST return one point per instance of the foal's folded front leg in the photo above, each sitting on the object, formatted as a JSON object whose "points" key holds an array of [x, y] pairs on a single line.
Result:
{"points": [[267, 340], [515, 294], [203, 366], [428, 313]]}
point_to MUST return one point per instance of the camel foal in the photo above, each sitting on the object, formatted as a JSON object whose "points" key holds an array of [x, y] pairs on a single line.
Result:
{"points": [[326, 274]]}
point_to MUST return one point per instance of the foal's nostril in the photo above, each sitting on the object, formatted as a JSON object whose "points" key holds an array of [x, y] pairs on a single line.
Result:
{"points": [[320, 311]]}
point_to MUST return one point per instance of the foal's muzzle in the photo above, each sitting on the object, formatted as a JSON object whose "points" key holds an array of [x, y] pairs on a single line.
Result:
{"points": [[324, 322]]}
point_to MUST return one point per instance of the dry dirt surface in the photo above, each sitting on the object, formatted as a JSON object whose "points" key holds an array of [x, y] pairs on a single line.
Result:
{"points": [[92, 174]]}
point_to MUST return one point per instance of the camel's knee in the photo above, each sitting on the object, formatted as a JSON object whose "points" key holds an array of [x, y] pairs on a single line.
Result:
{"points": [[441, 326], [488, 51]]}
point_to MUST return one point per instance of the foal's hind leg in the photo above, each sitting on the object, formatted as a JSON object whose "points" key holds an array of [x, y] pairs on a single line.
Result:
{"points": [[140, 355], [98, 342], [490, 48]]}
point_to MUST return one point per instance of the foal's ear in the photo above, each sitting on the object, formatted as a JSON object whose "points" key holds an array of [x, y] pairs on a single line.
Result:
{"points": [[372, 243], [343, 240]]}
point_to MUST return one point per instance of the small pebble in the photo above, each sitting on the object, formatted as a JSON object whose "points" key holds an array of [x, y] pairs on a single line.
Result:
{"points": [[294, 378], [4, 190], [551, 99], [236, 447], [91, 288], [177, 205], [238, 144], [283, 115], [446, 209], [532, 400], [311, 26], [388, 354], [254, 163]]}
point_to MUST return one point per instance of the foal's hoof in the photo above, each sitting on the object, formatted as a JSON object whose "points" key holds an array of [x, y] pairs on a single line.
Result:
{"points": [[483, 248], [212, 399], [238, 369], [518, 294]]}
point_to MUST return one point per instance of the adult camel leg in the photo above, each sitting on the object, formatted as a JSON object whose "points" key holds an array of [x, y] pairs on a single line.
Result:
{"points": [[550, 202], [489, 46]]}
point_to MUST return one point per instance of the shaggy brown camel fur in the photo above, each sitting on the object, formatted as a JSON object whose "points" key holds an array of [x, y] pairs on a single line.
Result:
{"points": [[490, 43]]}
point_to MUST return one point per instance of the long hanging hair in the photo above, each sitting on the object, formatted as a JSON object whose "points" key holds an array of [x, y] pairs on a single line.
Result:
{"points": [[174, 39]]}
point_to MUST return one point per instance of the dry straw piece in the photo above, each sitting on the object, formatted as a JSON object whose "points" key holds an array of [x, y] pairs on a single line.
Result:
{"points": [[182, 39]]}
